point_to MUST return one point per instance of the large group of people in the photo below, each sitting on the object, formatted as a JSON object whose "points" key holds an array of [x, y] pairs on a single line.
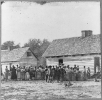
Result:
{"points": [[19, 73], [66, 73], [49, 73]]}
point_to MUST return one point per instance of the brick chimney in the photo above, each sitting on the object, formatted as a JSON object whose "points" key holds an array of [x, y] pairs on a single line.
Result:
{"points": [[86, 33]]}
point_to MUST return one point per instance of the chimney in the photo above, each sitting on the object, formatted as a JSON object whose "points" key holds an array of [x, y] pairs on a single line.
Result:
{"points": [[86, 33]]}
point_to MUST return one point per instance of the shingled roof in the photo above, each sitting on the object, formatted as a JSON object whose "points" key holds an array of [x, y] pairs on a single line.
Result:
{"points": [[13, 55], [74, 46]]}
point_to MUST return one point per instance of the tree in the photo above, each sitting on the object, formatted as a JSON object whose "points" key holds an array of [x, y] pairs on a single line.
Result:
{"points": [[37, 46], [44, 46], [10, 44]]}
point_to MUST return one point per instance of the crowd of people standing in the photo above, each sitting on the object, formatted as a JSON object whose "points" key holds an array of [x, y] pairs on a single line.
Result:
{"points": [[66, 73], [49, 73]]}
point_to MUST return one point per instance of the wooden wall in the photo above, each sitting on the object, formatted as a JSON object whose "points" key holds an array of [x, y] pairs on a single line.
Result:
{"points": [[81, 61], [28, 61]]}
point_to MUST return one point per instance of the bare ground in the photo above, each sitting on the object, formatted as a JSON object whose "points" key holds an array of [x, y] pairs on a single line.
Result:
{"points": [[35, 90]]}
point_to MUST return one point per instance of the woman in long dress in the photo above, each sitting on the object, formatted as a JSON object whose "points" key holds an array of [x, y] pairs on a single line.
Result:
{"points": [[18, 73], [88, 73], [13, 73], [68, 71], [27, 75], [6, 73], [84, 74], [23, 73]]}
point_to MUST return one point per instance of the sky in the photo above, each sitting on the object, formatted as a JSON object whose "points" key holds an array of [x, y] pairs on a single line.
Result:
{"points": [[22, 21]]}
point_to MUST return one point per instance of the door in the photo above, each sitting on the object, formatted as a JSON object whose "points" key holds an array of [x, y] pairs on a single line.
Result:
{"points": [[96, 64], [60, 61]]}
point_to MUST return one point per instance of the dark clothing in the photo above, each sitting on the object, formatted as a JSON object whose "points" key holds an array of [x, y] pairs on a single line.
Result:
{"points": [[77, 75], [58, 74], [55, 75], [62, 72], [70, 75], [13, 74], [32, 74], [42, 74], [46, 75], [73, 76], [53, 71]]}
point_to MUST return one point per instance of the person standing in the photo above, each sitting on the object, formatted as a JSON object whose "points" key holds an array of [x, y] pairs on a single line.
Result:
{"points": [[27, 76], [18, 73], [77, 74], [13, 73], [46, 74], [62, 73], [6, 73], [49, 74], [31, 73], [43, 73], [58, 74], [23, 73], [68, 70], [84, 74], [75, 67], [88, 73], [73, 75], [53, 73]]}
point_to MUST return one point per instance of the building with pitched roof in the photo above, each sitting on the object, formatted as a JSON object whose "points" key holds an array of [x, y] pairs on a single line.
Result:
{"points": [[20, 56], [81, 51]]}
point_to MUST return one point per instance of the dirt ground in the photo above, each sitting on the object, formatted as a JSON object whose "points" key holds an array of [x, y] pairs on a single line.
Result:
{"points": [[35, 90]]}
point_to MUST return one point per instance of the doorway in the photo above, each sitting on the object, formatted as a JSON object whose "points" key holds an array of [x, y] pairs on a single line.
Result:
{"points": [[96, 64], [60, 61]]}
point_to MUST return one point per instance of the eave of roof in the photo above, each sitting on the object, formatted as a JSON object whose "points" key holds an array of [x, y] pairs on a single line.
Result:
{"points": [[74, 46], [14, 55]]}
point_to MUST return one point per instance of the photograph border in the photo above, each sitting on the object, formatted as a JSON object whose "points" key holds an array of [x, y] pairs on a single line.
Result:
{"points": [[47, 1]]}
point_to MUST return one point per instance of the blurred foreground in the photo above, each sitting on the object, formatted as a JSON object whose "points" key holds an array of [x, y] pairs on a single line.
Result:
{"points": [[34, 90]]}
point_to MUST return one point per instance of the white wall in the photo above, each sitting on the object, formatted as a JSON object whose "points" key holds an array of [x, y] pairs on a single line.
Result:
{"points": [[52, 61], [8, 65], [4, 67]]}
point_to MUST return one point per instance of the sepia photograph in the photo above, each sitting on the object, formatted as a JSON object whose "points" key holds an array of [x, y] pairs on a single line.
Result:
{"points": [[50, 50]]}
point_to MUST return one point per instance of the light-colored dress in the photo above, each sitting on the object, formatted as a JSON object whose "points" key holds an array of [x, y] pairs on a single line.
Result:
{"points": [[6, 73], [67, 74], [84, 75], [18, 73], [27, 76], [23, 74]]}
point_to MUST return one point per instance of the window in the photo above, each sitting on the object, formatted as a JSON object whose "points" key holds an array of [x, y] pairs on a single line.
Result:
{"points": [[29, 54]]}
